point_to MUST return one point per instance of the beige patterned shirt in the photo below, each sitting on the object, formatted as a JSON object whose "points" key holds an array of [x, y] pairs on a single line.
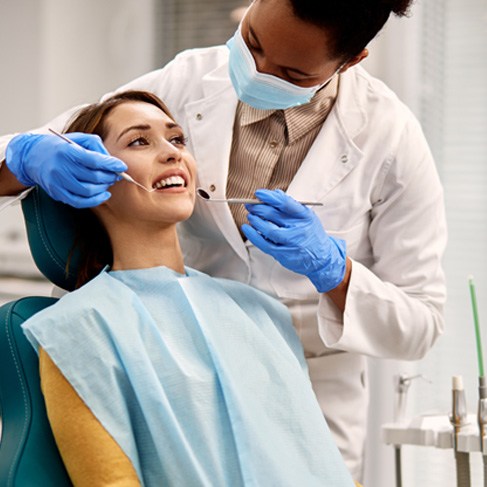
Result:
{"points": [[269, 146]]}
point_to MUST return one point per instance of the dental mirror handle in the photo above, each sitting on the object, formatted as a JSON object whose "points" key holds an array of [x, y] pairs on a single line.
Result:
{"points": [[236, 201], [233, 201]]}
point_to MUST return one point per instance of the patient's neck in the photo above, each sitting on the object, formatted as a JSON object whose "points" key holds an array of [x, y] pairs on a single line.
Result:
{"points": [[145, 247]]}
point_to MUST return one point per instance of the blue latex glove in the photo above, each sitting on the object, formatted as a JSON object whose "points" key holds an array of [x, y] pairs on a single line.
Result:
{"points": [[78, 176], [294, 236]]}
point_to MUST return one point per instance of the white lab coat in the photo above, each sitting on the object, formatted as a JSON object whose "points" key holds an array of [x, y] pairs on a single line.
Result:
{"points": [[371, 167]]}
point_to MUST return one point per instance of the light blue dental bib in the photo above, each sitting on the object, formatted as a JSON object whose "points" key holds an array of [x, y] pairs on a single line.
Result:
{"points": [[201, 381]]}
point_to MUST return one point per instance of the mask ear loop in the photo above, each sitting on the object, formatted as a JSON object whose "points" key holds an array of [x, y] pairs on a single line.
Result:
{"points": [[329, 80]]}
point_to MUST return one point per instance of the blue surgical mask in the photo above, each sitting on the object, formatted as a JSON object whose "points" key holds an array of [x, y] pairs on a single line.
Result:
{"points": [[260, 90]]}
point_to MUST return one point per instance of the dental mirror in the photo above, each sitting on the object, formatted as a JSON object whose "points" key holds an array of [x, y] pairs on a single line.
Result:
{"points": [[204, 195]]}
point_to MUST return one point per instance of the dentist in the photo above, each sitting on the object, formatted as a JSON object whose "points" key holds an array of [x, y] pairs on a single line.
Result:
{"points": [[284, 111]]}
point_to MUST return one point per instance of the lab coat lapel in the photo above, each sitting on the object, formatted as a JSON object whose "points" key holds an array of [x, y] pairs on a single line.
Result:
{"points": [[333, 154], [210, 125]]}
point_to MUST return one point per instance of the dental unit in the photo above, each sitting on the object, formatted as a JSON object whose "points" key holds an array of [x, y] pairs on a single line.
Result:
{"points": [[464, 432], [402, 383]]}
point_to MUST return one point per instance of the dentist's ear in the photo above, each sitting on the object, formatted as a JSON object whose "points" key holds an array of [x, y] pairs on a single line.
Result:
{"points": [[353, 61]]}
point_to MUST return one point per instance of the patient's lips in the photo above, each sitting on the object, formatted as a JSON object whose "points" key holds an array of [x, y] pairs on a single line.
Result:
{"points": [[175, 180]]}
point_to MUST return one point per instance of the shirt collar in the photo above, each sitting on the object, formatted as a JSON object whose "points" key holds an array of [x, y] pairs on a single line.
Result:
{"points": [[250, 115], [301, 119], [315, 112]]}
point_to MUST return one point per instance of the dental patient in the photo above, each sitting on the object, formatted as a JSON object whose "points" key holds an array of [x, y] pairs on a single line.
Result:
{"points": [[156, 374]]}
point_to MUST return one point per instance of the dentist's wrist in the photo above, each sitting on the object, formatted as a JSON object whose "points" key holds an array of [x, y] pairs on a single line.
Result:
{"points": [[328, 278], [9, 184], [339, 294]]}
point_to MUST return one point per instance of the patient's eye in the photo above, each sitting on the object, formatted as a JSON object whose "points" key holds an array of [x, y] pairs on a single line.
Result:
{"points": [[139, 141], [179, 140]]}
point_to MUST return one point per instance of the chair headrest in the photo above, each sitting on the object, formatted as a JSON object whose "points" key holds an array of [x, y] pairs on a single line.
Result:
{"points": [[51, 233]]}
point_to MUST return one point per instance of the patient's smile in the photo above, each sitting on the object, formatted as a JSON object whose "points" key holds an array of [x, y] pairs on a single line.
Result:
{"points": [[170, 182]]}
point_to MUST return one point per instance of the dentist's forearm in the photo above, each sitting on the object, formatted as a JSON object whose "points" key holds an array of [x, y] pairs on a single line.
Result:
{"points": [[9, 186], [339, 294]]}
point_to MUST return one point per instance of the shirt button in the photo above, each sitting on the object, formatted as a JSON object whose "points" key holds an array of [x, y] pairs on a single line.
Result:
{"points": [[199, 116], [212, 187], [344, 158], [273, 144]]}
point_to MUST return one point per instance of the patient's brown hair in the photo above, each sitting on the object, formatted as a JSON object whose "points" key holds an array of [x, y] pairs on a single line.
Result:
{"points": [[92, 240]]}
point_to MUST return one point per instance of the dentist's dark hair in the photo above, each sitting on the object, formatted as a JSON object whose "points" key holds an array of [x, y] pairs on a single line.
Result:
{"points": [[92, 240], [351, 23]]}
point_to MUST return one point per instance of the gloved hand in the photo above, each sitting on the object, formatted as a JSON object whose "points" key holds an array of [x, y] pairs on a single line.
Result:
{"points": [[78, 176], [294, 236]]}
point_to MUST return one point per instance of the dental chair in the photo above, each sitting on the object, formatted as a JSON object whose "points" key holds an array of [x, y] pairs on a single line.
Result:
{"points": [[28, 453]]}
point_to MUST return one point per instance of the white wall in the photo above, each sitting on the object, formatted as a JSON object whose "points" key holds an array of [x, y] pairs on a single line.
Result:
{"points": [[56, 54], [91, 47], [20, 93]]}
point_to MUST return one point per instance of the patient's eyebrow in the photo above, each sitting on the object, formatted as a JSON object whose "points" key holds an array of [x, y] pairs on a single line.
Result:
{"points": [[169, 125], [133, 127]]}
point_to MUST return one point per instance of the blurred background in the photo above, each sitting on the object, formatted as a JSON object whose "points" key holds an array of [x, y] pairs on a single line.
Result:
{"points": [[58, 53]]}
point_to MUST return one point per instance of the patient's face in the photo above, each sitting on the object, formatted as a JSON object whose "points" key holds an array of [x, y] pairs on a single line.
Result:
{"points": [[154, 149]]}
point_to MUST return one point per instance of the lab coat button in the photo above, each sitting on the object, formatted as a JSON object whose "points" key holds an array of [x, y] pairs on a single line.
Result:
{"points": [[199, 116], [212, 187], [344, 158]]}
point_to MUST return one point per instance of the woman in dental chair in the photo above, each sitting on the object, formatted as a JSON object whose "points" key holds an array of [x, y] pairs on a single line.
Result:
{"points": [[156, 374]]}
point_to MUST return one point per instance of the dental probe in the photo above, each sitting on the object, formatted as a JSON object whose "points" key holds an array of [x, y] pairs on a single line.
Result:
{"points": [[123, 175], [233, 201]]}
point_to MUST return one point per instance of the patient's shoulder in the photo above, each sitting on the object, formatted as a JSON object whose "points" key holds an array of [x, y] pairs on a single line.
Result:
{"points": [[91, 295]]}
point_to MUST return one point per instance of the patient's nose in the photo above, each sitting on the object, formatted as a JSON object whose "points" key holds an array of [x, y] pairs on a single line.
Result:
{"points": [[169, 153]]}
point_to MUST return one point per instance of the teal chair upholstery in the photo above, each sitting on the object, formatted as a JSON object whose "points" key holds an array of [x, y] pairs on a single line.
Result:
{"points": [[28, 453], [51, 233]]}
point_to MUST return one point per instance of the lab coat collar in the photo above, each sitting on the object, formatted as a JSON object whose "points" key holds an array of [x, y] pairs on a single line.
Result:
{"points": [[216, 81], [350, 104]]}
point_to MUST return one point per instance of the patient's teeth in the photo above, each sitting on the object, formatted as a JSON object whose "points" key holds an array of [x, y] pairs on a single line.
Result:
{"points": [[170, 181]]}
